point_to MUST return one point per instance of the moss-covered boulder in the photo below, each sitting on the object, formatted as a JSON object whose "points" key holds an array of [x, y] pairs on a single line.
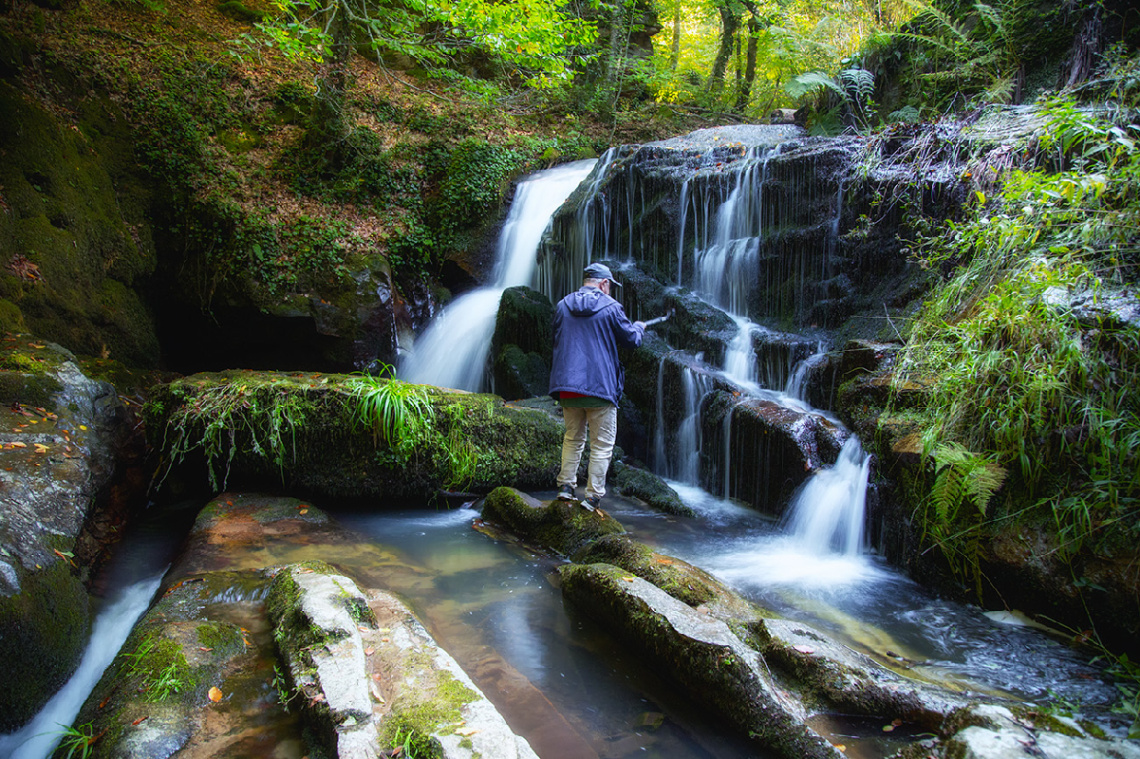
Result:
{"points": [[635, 482], [561, 526], [308, 432], [61, 434], [680, 579], [73, 248], [522, 343], [700, 652]]}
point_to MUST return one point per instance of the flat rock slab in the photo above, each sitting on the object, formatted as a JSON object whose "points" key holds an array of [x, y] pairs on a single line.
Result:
{"points": [[368, 674], [742, 135]]}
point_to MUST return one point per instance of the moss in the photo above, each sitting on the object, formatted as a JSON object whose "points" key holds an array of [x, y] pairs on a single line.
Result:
{"points": [[43, 630], [638, 483], [223, 639], [76, 257], [677, 578], [559, 526], [158, 667], [240, 12]]}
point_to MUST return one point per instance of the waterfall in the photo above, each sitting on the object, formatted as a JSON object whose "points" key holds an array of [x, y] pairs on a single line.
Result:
{"points": [[452, 351], [113, 624], [826, 517]]}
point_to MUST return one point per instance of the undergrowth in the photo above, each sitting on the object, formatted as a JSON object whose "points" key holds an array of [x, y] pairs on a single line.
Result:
{"points": [[1031, 359]]}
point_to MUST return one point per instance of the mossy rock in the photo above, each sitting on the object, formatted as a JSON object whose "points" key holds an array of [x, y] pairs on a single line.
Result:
{"points": [[305, 431], [69, 258], [176, 672], [646, 486], [561, 526], [702, 654], [678, 578], [43, 631], [239, 11]]}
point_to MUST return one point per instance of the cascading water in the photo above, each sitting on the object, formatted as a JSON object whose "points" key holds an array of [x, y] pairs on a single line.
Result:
{"points": [[827, 514], [452, 351]]}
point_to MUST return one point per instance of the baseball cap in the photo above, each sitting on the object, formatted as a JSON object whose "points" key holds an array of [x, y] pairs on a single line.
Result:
{"points": [[600, 271]]}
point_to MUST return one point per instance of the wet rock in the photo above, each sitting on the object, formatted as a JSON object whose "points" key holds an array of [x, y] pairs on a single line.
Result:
{"points": [[701, 652], [522, 344], [561, 526], [850, 682], [305, 431], [62, 431], [193, 678], [773, 449], [643, 485], [996, 732], [368, 674], [680, 579]]}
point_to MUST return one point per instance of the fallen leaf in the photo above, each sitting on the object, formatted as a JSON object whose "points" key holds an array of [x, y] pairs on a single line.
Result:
{"points": [[804, 649], [467, 732], [40, 448], [318, 698], [628, 579], [369, 651], [18, 444], [303, 511], [888, 728], [215, 694], [139, 720]]}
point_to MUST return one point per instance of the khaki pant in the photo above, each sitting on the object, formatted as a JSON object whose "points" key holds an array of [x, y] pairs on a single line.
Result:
{"points": [[602, 425]]}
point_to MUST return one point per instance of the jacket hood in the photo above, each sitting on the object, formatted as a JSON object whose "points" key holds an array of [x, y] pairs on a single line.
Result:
{"points": [[587, 301]]}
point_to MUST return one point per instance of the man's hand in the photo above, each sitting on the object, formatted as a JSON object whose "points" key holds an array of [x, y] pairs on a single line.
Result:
{"points": [[639, 324]]}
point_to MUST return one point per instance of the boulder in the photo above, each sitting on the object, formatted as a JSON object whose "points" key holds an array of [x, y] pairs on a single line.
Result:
{"points": [[368, 675], [307, 432], [700, 652], [57, 462], [560, 526]]}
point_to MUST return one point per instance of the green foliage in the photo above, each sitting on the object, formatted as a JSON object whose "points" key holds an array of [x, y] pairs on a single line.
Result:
{"points": [[961, 53], [474, 184], [76, 742], [160, 667], [261, 419], [1028, 367], [397, 412], [533, 39]]}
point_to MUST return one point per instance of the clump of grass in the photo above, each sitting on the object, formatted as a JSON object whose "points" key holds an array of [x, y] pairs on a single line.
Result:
{"points": [[397, 412]]}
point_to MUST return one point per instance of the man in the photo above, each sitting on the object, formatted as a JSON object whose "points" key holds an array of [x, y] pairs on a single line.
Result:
{"points": [[587, 378]]}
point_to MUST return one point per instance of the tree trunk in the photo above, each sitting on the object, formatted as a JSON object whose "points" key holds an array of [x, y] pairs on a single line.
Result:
{"points": [[745, 93], [676, 53], [330, 124], [729, 23]]}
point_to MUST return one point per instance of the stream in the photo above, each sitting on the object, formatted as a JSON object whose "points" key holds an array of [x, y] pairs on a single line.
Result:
{"points": [[557, 678]]}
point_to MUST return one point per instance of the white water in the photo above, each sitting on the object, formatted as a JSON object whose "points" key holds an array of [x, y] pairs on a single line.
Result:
{"points": [[827, 514], [452, 351], [38, 738]]}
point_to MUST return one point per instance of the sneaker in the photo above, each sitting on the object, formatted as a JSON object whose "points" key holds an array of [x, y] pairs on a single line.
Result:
{"points": [[591, 503], [566, 493]]}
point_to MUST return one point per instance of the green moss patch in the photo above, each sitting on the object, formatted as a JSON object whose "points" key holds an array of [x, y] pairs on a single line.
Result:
{"points": [[559, 525], [43, 630]]}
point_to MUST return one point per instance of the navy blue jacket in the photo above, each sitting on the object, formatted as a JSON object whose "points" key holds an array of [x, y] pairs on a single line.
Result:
{"points": [[588, 328]]}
